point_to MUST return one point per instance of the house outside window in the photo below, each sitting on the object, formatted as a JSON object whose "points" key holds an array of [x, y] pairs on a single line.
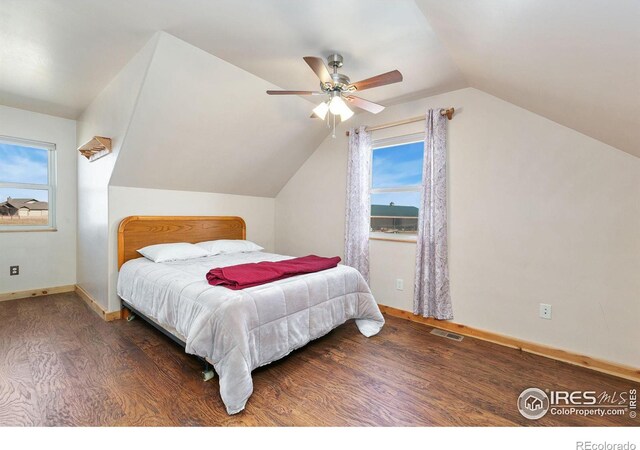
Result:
{"points": [[27, 185], [396, 179]]}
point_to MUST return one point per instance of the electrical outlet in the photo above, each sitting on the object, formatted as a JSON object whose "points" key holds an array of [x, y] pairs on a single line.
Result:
{"points": [[400, 284], [545, 311], [14, 270]]}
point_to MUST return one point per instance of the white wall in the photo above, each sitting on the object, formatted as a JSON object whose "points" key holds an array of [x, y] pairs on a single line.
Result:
{"points": [[538, 213], [46, 258], [257, 212], [108, 115]]}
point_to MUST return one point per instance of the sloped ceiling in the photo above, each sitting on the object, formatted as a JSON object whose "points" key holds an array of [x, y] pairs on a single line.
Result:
{"points": [[57, 55], [202, 124], [575, 62]]}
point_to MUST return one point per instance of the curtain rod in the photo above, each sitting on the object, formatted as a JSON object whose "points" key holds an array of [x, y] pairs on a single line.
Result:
{"points": [[443, 112]]}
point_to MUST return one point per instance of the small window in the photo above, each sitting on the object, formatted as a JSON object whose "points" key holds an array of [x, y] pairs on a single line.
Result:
{"points": [[396, 179], [27, 185]]}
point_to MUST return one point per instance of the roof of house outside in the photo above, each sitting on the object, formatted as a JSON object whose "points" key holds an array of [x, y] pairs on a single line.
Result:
{"points": [[29, 203], [392, 210]]}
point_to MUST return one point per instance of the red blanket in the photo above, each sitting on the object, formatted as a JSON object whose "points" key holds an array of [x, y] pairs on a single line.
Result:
{"points": [[254, 274]]}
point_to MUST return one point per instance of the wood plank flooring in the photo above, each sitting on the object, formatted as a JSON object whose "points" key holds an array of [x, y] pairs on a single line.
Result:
{"points": [[61, 365]]}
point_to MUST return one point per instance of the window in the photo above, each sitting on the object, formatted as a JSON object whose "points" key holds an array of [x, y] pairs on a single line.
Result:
{"points": [[396, 179], [27, 185]]}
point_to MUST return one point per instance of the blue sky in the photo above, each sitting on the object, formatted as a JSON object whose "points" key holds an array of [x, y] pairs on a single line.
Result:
{"points": [[20, 164], [400, 165], [396, 166]]}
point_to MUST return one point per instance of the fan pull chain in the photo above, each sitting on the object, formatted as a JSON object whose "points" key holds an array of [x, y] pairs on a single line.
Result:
{"points": [[333, 134]]}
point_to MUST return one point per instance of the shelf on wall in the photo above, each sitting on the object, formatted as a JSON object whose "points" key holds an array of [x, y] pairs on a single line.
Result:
{"points": [[96, 148]]}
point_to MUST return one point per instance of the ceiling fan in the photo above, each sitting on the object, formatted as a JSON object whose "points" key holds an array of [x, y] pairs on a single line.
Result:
{"points": [[340, 89]]}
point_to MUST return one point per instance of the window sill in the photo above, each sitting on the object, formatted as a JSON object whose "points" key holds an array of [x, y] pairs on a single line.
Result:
{"points": [[392, 239], [26, 230]]}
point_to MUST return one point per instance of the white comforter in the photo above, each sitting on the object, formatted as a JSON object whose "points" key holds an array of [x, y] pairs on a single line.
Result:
{"points": [[238, 331]]}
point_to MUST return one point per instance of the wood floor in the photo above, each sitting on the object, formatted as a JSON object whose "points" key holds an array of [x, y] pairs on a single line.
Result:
{"points": [[60, 364]]}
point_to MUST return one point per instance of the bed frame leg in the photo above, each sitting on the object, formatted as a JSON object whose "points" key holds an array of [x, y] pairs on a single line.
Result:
{"points": [[208, 373]]}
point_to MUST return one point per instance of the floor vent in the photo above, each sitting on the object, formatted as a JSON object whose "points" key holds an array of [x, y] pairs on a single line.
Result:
{"points": [[447, 334]]}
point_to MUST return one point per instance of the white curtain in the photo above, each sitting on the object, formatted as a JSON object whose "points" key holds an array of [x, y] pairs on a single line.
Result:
{"points": [[358, 207], [431, 291]]}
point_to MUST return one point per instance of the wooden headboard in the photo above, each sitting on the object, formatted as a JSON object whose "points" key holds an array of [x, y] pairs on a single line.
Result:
{"points": [[136, 232]]}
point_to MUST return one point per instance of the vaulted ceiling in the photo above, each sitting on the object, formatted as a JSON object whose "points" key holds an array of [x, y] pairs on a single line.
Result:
{"points": [[58, 54], [576, 62]]}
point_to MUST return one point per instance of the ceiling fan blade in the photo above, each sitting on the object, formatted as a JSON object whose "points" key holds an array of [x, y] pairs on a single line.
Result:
{"points": [[319, 68], [294, 93], [379, 80], [365, 104]]}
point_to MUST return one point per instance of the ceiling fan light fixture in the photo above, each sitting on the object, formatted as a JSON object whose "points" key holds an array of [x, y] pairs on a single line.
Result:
{"points": [[346, 114], [337, 106], [340, 90], [339, 87], [321, 110]]}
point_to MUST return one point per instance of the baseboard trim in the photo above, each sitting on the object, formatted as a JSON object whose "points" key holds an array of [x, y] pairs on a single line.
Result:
{"points": [[95, 306], [36, 292], [576, 359]]}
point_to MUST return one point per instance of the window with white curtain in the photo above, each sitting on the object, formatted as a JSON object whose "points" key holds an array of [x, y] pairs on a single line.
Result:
{"points": [[27, 185], [396, 177]]}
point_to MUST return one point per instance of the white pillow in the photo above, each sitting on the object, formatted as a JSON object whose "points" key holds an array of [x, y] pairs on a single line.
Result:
{"points": [[229, 246], [173, 252]]}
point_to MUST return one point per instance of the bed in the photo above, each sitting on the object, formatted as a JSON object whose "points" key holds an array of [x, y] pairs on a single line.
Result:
{"points": [[235, 331]]}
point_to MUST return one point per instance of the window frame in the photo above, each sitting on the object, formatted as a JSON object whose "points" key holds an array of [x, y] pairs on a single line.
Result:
{"points": [[50, 187], [385, 143]]}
